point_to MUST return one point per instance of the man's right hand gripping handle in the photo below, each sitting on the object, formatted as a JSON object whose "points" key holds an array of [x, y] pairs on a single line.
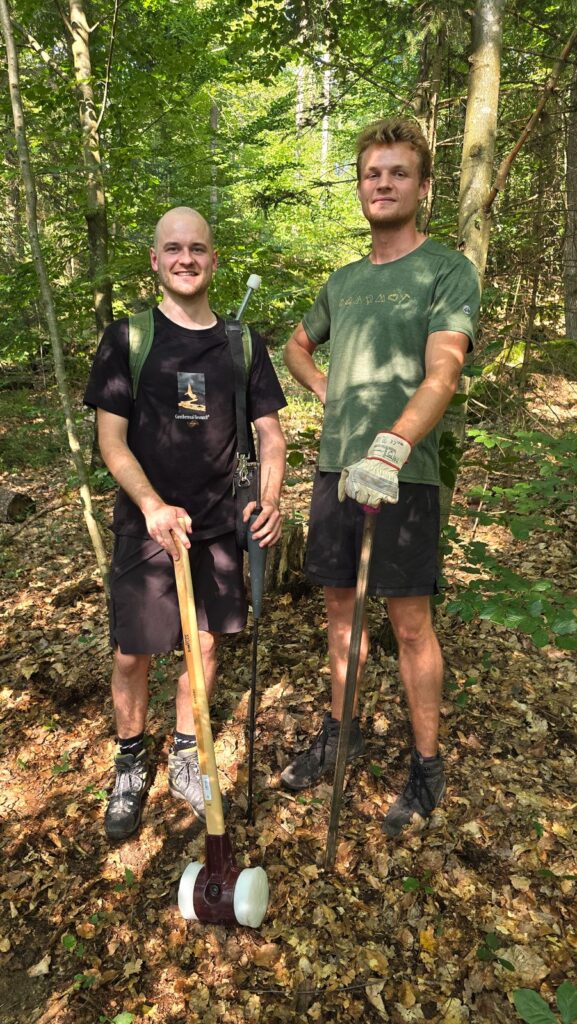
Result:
{"points": [[164, 520], [375, 479]]}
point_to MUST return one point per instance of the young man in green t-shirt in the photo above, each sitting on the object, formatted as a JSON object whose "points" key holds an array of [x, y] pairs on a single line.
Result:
{"points": [[400, 322]]}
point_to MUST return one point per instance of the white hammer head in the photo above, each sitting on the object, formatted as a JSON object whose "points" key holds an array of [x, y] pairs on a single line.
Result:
{"points": [[253, 282]]}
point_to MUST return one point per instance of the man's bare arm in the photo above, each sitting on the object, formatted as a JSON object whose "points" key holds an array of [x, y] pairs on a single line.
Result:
{"points": [[272, 454], [298, 356], [160, 518], [444, 359]]}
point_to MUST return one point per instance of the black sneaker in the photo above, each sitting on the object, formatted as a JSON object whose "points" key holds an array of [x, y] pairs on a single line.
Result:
{"points": [[422, 793], [320, 759], [124, 809]]}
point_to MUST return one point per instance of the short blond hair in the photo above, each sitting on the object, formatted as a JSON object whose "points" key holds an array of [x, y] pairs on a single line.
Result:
{"points": [[389, 130]]}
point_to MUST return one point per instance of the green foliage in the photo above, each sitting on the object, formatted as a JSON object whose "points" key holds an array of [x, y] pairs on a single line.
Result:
{"points": [[63, 766], [534, 1010], [535, 501], [413, 884], [487, 951]]}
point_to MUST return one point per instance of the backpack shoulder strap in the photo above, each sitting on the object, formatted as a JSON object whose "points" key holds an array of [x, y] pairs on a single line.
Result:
{"points": [[140, 337], [240, 341], [247, 349]]}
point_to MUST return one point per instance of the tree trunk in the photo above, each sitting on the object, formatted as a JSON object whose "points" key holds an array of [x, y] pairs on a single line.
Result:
{"points": [[425, 104], [325, 125], [476, 171], [14, 507], [480, 131], [570, 244], [213, 165], [46, 292], [96, 219]]}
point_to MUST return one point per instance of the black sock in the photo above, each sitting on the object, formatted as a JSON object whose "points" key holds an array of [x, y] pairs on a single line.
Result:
{"points": [[183, 741], [133, 745], [429, 760]]}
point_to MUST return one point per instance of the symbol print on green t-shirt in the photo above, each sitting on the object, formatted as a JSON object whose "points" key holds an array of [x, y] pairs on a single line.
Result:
{"points": [[191, 397]]}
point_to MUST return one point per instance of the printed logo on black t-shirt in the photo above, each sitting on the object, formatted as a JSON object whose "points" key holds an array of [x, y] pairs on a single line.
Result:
{"points": [[191, 397]]}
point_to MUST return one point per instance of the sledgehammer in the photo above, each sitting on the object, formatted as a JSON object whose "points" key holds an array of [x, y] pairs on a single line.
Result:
{"points": [[216, 892]]}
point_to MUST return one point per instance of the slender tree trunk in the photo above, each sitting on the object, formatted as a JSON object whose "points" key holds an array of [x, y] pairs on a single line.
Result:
{"points": [[570, 244], [476, 171], [213, 164], [480, 131], [300, 107], [536, 234], [325, 126], [46, 292], [96, 219], [426, 104]]}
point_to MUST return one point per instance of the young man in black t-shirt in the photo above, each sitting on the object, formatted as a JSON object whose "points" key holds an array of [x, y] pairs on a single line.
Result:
{"points": [[172, 452]]}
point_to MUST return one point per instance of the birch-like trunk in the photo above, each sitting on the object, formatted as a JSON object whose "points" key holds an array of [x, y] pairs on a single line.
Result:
{"points": [[46, 291], [95, 214], [325, 126], [570, 244], [476, 173], [480, 131]]}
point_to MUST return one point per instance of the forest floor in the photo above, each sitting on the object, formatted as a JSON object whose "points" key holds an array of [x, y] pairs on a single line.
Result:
{"points": [[439, 926]]}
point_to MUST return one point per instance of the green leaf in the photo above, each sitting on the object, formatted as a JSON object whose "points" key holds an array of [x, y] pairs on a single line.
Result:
{"points": [[540, 638], [493, 941], [69, 941], [566, 643], [564, 624], [410, 884], [505, 963], [484, 953], [295, 459], [567, 1002], [123, 1018], [531, 1008]]}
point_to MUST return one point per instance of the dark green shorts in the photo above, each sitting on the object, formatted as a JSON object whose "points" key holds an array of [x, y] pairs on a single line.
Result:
{"points": [[405, 550], [144, 615]]}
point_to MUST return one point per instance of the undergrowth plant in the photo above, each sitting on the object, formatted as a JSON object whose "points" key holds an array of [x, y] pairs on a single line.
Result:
{"points": [[534, 1010], [531, 483]]}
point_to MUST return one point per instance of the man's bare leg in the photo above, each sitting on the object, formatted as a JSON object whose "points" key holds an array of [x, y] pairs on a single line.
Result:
{"points": [[130, 692], [421, 670], [208, 648], [130, 699], [340, 603], [311, 765], [420, 667]]}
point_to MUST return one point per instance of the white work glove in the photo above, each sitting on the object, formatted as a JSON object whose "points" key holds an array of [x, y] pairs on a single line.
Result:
{"points": [[375, 478]]}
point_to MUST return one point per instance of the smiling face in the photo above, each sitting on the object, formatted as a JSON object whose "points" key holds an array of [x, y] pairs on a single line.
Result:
{"points": [[183, 255], [390, 186]]}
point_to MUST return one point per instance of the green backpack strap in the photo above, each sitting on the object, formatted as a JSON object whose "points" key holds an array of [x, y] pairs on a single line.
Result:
{"points": [[140, 337], [247, 348]]}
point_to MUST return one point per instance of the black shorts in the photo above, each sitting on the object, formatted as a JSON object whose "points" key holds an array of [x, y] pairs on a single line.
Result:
{"points": [[405, 549], [144, 615]]}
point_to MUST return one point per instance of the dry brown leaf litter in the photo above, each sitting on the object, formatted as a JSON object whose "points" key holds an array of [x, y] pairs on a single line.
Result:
{"points": [[89, 931]]}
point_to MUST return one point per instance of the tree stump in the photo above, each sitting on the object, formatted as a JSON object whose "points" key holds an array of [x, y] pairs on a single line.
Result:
{"points": [[284, 563], [14, 507]]}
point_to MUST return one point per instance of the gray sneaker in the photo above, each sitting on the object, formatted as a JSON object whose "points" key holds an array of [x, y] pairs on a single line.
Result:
{"points": [[320, 759], [124, 809], [184, 779], [423, 792], [185, 783]]}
